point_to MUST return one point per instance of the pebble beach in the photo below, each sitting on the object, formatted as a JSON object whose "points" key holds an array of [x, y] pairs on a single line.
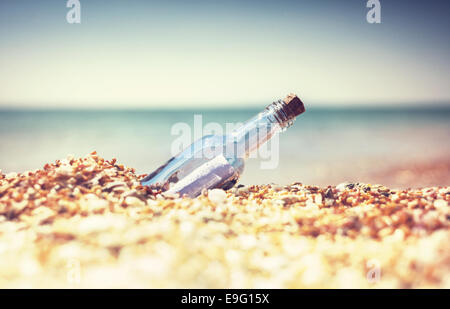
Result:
{"points": [[88, 223]]}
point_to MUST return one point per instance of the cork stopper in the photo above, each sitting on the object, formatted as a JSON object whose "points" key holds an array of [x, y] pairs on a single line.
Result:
{"points": [[294, 105]]}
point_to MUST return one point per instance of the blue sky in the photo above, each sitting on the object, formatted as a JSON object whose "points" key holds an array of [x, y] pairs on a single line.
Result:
{"points": [[222, 53]]}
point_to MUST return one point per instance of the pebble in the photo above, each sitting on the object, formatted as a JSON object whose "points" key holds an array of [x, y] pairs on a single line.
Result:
{"points": [[440, 204], [134, 201], [342, 186], [217, 196]]}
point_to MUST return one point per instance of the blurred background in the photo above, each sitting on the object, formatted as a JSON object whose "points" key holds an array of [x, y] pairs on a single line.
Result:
{"points": [[377, 95]]}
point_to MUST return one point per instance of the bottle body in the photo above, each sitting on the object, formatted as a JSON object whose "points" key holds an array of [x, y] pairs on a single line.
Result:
{"points": [[217, 161], [203, 165]]}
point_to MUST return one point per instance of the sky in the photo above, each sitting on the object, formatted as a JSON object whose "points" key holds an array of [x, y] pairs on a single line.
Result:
{"points": [[182, 54]]}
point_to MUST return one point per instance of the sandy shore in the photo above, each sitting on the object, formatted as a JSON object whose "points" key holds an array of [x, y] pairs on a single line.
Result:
{"points": [[88, 223]]}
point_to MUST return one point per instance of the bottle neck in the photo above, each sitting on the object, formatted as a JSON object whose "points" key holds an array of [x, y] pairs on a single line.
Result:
{"points": [[262, 127], [282, 114]]}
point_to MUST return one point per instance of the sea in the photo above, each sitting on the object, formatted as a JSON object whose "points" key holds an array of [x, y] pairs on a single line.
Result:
{"points": [[325, 146]]}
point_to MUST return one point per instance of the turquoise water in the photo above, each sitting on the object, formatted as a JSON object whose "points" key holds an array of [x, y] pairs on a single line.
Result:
{"points": [[324, 146]]}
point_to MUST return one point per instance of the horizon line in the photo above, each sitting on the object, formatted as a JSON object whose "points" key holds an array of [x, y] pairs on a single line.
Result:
{"points": [[441, 105]]}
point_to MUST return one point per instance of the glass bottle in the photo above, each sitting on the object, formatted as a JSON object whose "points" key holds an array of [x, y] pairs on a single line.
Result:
{"points": [[215, 161]]}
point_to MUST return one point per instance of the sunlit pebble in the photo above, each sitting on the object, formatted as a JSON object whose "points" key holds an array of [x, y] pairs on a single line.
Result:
{"points": [[444, 191], [11, 175], [412, 204], [187, 228], [440, 204], [93, 203], [29, 266], [349, 278], [233, 256], [342, 186], [217, 196], [318, 199], [310, 205], [133, 201], [277, 188], [247, 241]]}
